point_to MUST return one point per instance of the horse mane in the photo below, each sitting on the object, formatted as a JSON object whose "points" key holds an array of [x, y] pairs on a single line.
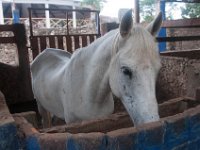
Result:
{"points": [[144, 44], [90, 49]]}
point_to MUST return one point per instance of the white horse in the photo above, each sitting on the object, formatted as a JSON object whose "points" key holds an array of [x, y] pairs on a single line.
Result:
{"points": [[124, 62]]}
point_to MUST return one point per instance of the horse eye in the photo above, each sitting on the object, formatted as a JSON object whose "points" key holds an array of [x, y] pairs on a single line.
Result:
{"points": [[127, 72]]}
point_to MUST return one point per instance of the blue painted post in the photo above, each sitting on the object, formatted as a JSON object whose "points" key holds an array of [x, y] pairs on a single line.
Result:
{"points": [[162, 33], [15, 14]]}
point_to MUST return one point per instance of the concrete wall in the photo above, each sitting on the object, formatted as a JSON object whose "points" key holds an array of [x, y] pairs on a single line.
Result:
{"points": [[177, 132], [179, 75]]}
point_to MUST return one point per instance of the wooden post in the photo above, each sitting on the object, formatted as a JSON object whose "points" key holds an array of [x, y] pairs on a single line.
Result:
{"points": [[67, 17], [74, 17], [30, 21], [15, 14], [198, 94], [23, 58], [47, 16], [98, 24], [162, 33], [136, 11], [1, 13]]}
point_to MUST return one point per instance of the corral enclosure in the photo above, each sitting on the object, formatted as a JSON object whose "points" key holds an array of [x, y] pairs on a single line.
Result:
{"points": [[178, 128]]}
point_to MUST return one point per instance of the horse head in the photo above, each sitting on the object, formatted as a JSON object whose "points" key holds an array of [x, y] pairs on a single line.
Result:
{"points": [[134, 67]]}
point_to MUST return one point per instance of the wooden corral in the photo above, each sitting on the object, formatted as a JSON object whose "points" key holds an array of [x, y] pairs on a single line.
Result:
{"points": [[15, 81], [68, 42], [178, 128]]}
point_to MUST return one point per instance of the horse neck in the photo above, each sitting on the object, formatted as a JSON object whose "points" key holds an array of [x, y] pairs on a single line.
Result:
{"points": [[97, 57]]}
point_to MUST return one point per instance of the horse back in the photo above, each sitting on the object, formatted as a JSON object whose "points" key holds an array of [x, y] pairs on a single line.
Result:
{"points": [[49, 58]]}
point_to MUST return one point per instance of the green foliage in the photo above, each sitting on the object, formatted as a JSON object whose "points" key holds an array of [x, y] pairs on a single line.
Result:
{"points": [[147, 9], [95, 4], [190, 10], [170, 13]]}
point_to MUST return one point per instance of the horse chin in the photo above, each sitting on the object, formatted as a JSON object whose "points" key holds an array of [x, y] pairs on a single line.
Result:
{"points": [[141, 121], [140, 115]]}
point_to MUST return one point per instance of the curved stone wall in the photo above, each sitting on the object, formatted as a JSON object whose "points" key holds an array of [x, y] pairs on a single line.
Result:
{"points": [[179, 75], [179, 128], [8, 130]]}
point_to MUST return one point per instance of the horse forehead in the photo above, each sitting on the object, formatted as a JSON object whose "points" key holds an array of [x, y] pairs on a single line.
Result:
{"points": [[141, 57], [140, 44], [140, 61]]}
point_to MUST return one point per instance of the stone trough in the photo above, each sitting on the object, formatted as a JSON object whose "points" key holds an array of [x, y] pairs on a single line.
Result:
{"points": [[178, 128]]}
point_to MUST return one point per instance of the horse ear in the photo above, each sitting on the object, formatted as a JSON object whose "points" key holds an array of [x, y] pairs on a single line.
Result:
{"points": [[154, 26], [126, 23]]}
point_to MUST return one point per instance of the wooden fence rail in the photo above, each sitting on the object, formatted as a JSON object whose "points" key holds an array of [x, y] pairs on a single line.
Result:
{"points": [[181, 23], [64, 42]]}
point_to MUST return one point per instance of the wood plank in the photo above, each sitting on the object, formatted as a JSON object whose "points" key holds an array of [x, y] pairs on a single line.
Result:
{"points": [[43, 43], [52, 42], [192, 54], [69, 43], [34, 46], [182, 23], [106, 124], [76, 41], [179, 38], [5, 40], [60, 42], [6, 28], [183, 1], [84, 40]]}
